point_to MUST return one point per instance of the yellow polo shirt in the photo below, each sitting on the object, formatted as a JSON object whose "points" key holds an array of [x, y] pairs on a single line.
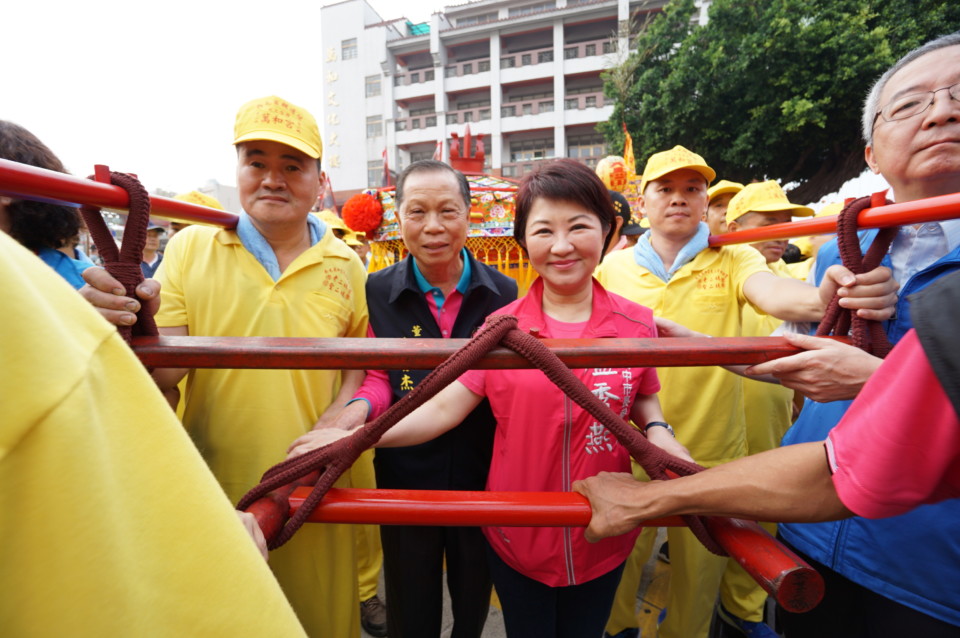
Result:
{"points": [[768, 406], [112, 525], [242, 421], [704, 404]]}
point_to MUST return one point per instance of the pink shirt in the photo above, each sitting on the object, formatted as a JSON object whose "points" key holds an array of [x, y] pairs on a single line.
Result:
{"points": [[545, 442], [898, 446]]}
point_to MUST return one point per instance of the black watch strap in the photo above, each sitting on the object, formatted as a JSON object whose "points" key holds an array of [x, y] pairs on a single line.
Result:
{"points": [[661, 424]]}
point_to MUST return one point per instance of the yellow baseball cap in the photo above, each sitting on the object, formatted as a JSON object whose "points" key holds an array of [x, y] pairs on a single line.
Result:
{"points": [[275, 119], [763, 197], [723, 187], [198, 198], [659, 164], [332, 220], [351, 239]]}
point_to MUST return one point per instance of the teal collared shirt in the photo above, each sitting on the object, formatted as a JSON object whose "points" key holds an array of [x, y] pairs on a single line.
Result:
{"points": [[438, 298]]}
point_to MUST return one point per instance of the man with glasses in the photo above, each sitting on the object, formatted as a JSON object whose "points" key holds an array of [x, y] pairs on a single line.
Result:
{"points": [[899, 573]]}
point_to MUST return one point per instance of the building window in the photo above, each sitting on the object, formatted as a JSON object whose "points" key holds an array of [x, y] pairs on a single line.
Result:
{"points": [[428, 75], [508, 62], [531, 150], [452, 118], [588, 147], [544, 56], [526, 59], [483, 65], [374, 172], [483, 18], [372, 85], [590, 101], [416, 156], [570, 53], [400, 125], [545, 106], [508, 111], [531, 8], [374, 126], [590, 50], [468, 68], [571, 103], [348, 49]]}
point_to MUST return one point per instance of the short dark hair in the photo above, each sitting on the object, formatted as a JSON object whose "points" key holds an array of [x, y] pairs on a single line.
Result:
{"points": [[432, 166], [564, 180], [36, 225]]}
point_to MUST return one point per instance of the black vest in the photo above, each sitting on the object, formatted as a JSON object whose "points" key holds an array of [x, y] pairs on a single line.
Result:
{"points": [[935, 311], [458, 459]]}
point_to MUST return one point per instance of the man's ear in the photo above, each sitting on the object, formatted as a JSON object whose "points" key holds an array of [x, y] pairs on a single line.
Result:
{"points": [[871, 160], [733, 226]]}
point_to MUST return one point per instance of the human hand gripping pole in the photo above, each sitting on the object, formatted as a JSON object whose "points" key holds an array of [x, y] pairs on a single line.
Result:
{"points": [[124, 263], [269, 501]]}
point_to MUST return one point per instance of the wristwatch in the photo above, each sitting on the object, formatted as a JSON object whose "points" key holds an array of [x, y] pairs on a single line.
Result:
{"points": [[659, 424]]}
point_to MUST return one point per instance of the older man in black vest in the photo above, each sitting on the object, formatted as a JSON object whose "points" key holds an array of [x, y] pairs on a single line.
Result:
{"points": [[439, 291]]}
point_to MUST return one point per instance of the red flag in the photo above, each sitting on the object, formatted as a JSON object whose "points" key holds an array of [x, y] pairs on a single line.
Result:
{"points": [[386, 170], [438, 152]]}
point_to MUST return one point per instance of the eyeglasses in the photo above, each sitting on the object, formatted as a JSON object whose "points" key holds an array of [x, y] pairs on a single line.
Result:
{"points": [[914, 104]]}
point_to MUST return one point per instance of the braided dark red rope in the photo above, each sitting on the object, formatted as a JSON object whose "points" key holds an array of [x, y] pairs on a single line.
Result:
{"points": [[334, 459], [124, 263], [867, 335]]}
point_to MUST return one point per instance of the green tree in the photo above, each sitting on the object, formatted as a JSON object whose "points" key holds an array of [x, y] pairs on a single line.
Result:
{"points": [[767, 89]]}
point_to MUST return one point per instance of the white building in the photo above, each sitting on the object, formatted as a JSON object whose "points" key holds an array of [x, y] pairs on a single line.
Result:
{"points": [[524, 75]]}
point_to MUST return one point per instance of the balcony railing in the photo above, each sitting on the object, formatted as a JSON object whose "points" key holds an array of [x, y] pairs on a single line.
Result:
{"points": [[414, 77], [476, 114], [527, 107], [468, 67], [416, 122], [588, 49]]}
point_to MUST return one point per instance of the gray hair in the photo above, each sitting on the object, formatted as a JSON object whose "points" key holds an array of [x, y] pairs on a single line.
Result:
{"points": [[871, 105], [432, 166]]}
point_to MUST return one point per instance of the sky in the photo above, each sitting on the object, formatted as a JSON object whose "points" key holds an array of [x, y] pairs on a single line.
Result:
{"points": [[153, 88]]}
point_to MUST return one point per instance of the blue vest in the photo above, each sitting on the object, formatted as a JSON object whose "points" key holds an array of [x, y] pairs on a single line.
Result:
{"points": [[913, 558]]}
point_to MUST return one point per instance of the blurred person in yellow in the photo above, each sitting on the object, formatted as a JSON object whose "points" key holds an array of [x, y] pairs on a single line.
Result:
{"points": [[768, 407], [112, 524], [810, 246], [718, 198], [280, 273], [334, 222], [675, 272], [193, 197]]}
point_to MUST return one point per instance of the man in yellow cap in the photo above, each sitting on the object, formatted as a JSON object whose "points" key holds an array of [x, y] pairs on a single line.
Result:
{"points": [[768, 408], [718, 198], [278, 274], [674, 271], [193, 197]]}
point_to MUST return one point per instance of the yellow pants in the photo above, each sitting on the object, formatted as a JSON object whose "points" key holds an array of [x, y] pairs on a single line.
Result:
{"points": [[367, 537], [695, 577], [739, 593]]}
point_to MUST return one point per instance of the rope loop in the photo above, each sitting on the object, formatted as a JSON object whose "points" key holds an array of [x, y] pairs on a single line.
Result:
{"points": [[328, 463], [124, 263], [867, 334]]}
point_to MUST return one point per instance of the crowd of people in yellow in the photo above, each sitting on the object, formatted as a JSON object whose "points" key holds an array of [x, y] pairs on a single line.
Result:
{"points": [[117, 482]]}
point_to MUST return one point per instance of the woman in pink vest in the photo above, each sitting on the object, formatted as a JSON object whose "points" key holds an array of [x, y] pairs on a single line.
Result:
{"points": [[551, 581]]}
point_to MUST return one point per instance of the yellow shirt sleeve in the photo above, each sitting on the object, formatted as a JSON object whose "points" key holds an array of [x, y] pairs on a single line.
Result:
{"points": [[112, 524]]}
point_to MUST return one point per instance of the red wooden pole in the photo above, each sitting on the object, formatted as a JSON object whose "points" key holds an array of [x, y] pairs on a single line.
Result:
{"points": [[29, 182], [934, 209], [424, 354], [794, 584]]}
